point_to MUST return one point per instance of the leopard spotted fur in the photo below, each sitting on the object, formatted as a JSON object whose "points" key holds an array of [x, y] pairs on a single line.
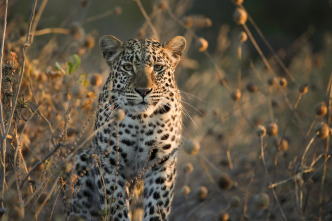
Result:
{"points": [[141, 147]]}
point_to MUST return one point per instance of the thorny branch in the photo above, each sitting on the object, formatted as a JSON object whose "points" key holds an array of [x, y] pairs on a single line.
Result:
{"points": [[3, 136], [1, 58], [148, 20], [269, 178], [57, 147], [14, 102]]}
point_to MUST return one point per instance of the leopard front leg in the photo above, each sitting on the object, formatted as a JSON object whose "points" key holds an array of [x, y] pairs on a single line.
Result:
{"points": [[158, 190], [84, 204], [113, 184]]}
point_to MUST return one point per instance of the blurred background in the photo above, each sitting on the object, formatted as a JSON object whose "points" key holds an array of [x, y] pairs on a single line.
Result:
{"points": [[282, 22], [257, 91]]}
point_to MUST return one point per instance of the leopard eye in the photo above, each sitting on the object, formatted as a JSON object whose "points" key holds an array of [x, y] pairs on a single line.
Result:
{"points": [[128, 67], [158, 67]]}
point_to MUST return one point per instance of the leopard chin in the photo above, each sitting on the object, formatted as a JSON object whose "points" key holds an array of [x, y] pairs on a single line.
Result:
{"points": [[141, 108]]}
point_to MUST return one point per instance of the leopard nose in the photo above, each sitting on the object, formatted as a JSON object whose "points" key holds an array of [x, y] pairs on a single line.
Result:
{"points": [[143, 92]]}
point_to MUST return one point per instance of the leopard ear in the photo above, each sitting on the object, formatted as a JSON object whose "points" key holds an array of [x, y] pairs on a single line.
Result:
{"points": [[111, 47], [176, 46]]}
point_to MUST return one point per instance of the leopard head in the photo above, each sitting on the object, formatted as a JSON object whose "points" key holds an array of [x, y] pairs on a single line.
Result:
{"points": [[142, 72]]}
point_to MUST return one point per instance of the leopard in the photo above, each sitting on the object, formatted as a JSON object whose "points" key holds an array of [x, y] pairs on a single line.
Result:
{"points": [[137, 135]]}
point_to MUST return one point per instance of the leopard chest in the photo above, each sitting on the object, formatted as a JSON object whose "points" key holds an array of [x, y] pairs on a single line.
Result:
{"points": [[139, 139]]}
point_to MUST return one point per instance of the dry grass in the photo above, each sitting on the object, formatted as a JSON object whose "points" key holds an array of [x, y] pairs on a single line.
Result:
{"points": [[257, 131]]}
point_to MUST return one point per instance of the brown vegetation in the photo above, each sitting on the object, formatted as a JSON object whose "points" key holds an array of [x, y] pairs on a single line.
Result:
{"points": [[256, 131]]}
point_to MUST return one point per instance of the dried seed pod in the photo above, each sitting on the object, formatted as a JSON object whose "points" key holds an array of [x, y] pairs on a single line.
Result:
{"points": [[225, 182], [188, 22], [42, 77], [303, 88], [82, 51], [283, 82], [260, 131], [272, 81], [118, 10], [191, 147], [119, 115], [89, 42], [261, 200], [322, 130], [162, 5], [236, 95], [185, 190], [252, 87], [41, 167], [321, 109], [224, 216], [96, 79], [197, 21], [84, 3], [243, 36], [76, 30], [298, 180], [207, 22], [202, 193], [188, 168], [201, 44], [235, 201], [25, 140], [91, 95], [216, 112], [141, 33], [272, 129], [66, 167], [237, 2], [283, 145], [240, 16]]}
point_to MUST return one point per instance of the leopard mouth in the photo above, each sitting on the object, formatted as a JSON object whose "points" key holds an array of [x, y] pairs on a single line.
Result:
{"points": [[140, 107], [142, 103]]}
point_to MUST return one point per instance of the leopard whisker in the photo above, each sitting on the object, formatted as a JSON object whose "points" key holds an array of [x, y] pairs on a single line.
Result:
{"points": [[186, 103], [190, 96], [186, 114]]}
